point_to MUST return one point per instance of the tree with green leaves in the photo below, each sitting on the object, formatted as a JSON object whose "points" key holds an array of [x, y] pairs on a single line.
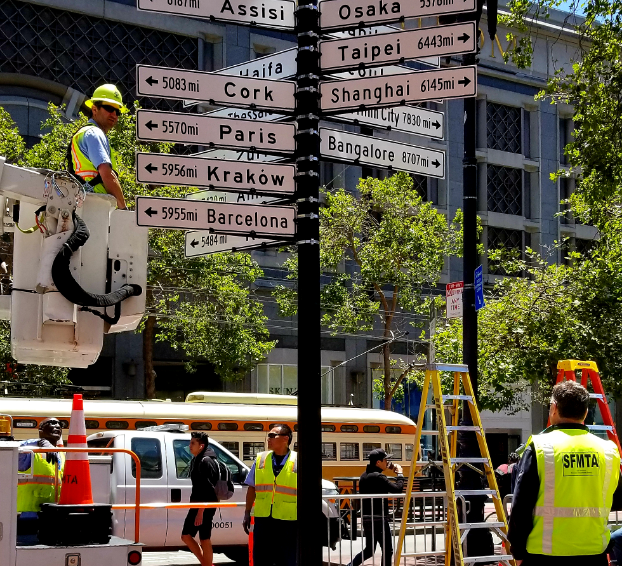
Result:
{"points": [[203, 306], [383, 251]]}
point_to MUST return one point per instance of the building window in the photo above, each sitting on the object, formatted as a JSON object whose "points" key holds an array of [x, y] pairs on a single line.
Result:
{"points": [[506, 239], [565, 135], [503, 127], [584, 247], [505, 189], [282, 379], [420, 184]]}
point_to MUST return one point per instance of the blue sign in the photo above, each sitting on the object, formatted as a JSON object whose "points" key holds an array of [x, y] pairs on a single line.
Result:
{"points": [[479, 288]]}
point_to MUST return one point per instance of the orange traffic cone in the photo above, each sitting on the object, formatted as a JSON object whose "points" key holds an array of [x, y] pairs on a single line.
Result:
{"points": [[76, 488]]}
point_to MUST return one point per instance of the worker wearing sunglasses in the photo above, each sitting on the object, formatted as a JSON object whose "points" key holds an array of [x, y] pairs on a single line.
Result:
{"points": [[89, 156]]}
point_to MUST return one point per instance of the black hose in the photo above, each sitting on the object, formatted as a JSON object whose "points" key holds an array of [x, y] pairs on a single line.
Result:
{"points": [[69, 288]]}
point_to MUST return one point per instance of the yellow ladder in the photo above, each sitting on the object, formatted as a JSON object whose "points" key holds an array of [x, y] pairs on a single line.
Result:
{"points": [[455, 532]]}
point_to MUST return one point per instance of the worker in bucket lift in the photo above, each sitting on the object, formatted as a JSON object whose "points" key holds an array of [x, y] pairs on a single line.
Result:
{"points": [[38, 489], [89, 156], [568, 482]]}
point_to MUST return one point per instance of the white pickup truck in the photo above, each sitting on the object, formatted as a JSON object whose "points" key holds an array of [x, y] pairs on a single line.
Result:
{"points": [[165, 465]]}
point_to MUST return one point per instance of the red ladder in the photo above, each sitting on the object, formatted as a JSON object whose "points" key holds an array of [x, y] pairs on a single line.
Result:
{"points": [[589, 371]]}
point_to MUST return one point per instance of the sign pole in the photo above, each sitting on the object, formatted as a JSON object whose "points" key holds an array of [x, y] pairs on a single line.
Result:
{"points": [[309, 327]]}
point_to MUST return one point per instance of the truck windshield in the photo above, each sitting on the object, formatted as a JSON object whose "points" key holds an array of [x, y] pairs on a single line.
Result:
{"points": [[183, 459]]}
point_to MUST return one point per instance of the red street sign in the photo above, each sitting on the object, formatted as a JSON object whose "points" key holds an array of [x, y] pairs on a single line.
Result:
{"points": [[453, 293]]}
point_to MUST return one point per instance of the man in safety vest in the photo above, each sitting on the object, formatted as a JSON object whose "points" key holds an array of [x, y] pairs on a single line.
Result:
{"points": [[272, 487], [89, 156], [38, 489], [567, 484]]}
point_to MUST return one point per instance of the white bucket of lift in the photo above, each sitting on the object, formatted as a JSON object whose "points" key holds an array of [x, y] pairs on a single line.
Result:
{"points": [[51, 247]]}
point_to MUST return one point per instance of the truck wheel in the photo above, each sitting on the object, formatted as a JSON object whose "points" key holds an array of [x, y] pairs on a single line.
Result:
{"points": [[238, 555]]}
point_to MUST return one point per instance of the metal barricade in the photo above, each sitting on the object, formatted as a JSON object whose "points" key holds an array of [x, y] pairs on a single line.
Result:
{"points": [[380, 526]]}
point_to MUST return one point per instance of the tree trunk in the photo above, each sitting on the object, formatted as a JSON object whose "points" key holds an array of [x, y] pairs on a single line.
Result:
{"points": [[386, 357], [148, 338]]}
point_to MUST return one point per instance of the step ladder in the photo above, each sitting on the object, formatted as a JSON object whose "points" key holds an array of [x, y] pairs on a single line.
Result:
{"points": [[589, 373], [455, 531]]}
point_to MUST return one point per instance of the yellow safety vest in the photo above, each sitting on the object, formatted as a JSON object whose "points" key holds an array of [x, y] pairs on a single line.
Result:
{"points": [[276, 496], [32, 492], [578, 473], [83, 168]]}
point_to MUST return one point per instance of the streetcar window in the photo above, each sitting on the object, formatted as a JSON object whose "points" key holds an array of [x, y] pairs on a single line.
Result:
{"points": [[24, 423], [368, 447], [227, 426], [253, 426], [233, 447], [329, 450], [174, 422], [395, 449], [201, 426], [145, 424], [371, 428], [63, 423], [328, 428], [117, 425], [349, 451], [393, 429], [251, 449], [150, 455], [409, 452], [91, 424], [349, 428]]}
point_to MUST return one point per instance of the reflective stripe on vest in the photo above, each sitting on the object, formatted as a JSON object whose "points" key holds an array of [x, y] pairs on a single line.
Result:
{"points": [[276, 496], [578, 474], [84, 168]]}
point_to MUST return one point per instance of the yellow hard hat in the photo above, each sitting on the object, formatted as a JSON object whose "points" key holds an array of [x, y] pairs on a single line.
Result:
{"points": [[107, 94]]}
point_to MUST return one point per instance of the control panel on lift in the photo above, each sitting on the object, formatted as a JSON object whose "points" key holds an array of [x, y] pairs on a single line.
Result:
{"points": [[79, 268]]}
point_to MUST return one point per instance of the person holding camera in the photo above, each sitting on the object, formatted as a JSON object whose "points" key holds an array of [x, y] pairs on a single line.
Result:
{"points": [[375, 512]]}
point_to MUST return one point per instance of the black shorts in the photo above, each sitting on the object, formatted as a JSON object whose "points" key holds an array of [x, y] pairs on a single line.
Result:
{"points": [[205, 530]]}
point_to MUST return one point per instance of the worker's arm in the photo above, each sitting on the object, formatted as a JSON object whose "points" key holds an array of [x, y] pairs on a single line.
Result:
{"points": [[111, 183], [524, 503], [250, 499]]}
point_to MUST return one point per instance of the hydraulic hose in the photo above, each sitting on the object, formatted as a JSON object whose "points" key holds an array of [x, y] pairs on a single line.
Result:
{"points": [[69, 288]]}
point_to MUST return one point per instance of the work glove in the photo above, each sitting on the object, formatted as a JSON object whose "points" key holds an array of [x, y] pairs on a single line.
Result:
{"points": [[246, 523], [50, 457]]}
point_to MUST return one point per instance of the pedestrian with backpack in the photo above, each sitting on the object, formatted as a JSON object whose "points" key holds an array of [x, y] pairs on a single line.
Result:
{"points": [[205, 476]]}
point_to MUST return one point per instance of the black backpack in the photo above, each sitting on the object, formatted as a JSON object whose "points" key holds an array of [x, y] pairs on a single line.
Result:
{"points": [[224, 486]]}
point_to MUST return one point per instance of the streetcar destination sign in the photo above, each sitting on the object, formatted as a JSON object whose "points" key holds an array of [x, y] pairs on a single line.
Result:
{"points": [[204, 242], [394, 90], [215, 88], [226, 218], [179, 127], [397, 47], [407, 119], [343, 14], [276, 14], [263, 178], [365, 150]]}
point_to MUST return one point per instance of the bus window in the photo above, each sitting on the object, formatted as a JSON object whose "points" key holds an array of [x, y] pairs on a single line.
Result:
{"points": [[329, 450], [393, 429], [227, 426], [349, 451], [395, 449], [371, 428], [117, 425], [251, 449], [368, 447], [150, 456], [201, 426], [349, 428], [328, 428], [409, 452], [233, 447]]}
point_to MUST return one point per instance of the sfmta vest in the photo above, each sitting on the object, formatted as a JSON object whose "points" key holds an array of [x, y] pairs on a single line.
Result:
{"points": [[80, 165], [279, 494], [32, 492], [578, 475]]}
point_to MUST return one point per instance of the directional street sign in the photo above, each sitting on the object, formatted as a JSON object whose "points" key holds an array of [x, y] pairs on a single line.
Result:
{"points": [[215, 88], [224, 196], [204, 242], [276, 14], [248, 114], [344, 14], [226, 218], [407, 119], [238, 155], [264, 178], [365, 150], [397, 47], [178, 127], [418, 86], [479, 288]]}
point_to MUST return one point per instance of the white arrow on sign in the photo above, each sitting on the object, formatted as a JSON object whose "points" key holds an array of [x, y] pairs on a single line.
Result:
{"points": [[397, 47], [204, 242], [277, 14], [178, 127], [263, 178], [418, 86], [223, 196], [407, 119], [226, 218], [344, 14], [215, 88], [366, 150]]}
